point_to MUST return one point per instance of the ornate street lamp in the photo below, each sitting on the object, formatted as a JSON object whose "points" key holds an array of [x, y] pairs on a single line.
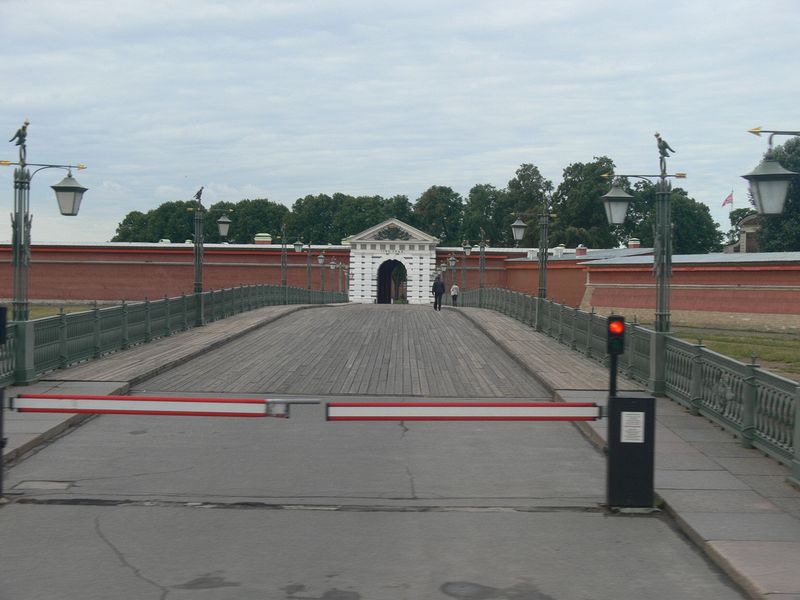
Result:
{"points": [[298, 247], [769, 181], [616, 204], [321, 263], [518, 228], [481, 265], [467, 248], [223, 223], [284, 264], [68, 194]]}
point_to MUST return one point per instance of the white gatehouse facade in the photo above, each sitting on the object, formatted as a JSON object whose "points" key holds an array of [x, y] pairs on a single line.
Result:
{"points": [[375, 254]]}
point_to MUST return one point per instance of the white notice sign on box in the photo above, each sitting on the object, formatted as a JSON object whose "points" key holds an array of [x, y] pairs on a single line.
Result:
{"points": [[632, 429]]}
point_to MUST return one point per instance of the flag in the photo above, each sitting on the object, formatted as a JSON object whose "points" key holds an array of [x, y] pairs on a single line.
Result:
{"points": [[728, 200]]}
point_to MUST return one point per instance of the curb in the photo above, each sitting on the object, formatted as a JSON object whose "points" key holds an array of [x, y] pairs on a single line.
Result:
{"points": [[12, 456]]}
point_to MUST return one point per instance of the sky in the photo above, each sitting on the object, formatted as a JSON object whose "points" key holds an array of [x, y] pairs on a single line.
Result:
{"points": [[281, 99]]}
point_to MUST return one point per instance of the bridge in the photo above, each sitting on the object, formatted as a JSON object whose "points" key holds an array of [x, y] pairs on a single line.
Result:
{"points": [[300, 508]]}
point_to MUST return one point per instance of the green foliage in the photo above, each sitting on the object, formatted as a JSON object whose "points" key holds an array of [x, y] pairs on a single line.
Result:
{"points": [[487, 208], [694, 231], [175, 221], [526, 194], [736, 216], [439, 211], [581, 218], [781, 233]]}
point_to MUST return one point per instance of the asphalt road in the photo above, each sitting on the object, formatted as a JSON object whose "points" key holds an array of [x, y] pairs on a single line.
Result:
{"points": [[300, 509]]}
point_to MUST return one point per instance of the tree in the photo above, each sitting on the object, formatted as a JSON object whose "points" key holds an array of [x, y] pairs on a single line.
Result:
{"points": [[313, 219], [439, 212], [171, 220], [357, 214], [781, 233], [694, 231], [398, 207], [527, 193], [736, 216], [132, 228], [248, 217], [483, 207], [579, 214]]}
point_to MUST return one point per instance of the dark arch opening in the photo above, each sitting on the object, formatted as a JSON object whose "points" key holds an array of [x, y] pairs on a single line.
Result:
{"points": [[391, 281]]}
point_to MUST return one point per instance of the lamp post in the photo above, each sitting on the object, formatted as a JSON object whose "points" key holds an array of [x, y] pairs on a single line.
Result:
{"points": [[69, 194], [223, 223], [321, 263], [334, 265], [769, 185], [298, 247], [616, 203], [769, 181], [518, 228], [284, 264], [467, 248], [481, 266]]}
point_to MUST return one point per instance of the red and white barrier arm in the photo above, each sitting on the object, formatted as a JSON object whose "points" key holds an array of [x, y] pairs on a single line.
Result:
{"points": [[149, 405], [462, 411]]}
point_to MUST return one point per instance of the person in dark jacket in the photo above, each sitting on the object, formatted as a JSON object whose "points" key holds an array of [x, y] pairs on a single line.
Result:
{"points": [[438, 292]]}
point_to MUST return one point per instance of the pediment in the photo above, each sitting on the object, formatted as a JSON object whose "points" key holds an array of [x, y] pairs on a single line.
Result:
{"points": [[392, 230]]}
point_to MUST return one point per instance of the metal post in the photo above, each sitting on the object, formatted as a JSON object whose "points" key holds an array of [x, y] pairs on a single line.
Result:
{"points": [[21, 240], [663, 254], [481, 267], [544, 223], [308, 273], [199, 215], [284, 265], [662, 267], [322, 278]]}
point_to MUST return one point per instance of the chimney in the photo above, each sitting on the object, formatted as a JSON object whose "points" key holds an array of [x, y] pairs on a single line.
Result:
{"points": [[263, 238], [581, 250], [634, 243]]}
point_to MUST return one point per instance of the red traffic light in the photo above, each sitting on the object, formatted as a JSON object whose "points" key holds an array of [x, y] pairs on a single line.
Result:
{"points": [[616, 327], [615, 331]]}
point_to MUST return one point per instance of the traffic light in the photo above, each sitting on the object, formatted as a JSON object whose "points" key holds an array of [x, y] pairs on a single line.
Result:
{"points": [[616, 335]]}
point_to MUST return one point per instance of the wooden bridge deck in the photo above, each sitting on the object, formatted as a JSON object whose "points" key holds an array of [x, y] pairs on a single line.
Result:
{"points": [[354, 350]]}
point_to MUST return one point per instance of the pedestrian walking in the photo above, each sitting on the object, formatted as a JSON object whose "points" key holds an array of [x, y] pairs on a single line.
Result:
{"points": [[438, 292], [454, 290]]}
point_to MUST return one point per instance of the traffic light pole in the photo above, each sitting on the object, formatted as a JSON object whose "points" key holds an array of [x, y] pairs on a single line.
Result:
{"points": [[631, 434], [612, 375]]}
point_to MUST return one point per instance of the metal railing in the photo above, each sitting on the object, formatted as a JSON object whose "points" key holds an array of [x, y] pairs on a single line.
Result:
{"points": [[67, 339], [759, 407]]}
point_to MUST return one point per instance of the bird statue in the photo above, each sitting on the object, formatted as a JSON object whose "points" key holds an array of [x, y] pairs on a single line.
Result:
{"points": [[21, 134], [663, 147], [199, 194]]}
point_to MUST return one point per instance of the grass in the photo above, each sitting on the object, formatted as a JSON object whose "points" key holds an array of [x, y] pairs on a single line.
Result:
{"points": [[38, 311], [776, 352]]}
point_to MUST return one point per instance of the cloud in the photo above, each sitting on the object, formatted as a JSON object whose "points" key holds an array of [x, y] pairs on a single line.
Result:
{"points": [[282, 99]]}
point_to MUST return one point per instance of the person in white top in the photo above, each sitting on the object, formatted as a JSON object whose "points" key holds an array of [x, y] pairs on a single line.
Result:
{"points": [[454, 294]]}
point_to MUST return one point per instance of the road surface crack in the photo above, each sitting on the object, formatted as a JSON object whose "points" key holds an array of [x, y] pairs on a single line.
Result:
{"points": [[125, 562]]}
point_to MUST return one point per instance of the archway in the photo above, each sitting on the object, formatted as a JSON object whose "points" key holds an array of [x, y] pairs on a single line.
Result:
{"points": [[391, 280]]}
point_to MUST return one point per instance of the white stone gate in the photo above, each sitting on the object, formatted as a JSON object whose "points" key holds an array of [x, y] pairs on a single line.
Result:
{"points": [[391, 240]]}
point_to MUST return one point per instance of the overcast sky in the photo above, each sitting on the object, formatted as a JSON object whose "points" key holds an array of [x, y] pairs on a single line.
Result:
{"points": [[279, 99]]}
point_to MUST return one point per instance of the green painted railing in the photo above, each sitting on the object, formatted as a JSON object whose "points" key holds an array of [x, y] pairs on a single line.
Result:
{"points": [[68, 339], [759, 407]]}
